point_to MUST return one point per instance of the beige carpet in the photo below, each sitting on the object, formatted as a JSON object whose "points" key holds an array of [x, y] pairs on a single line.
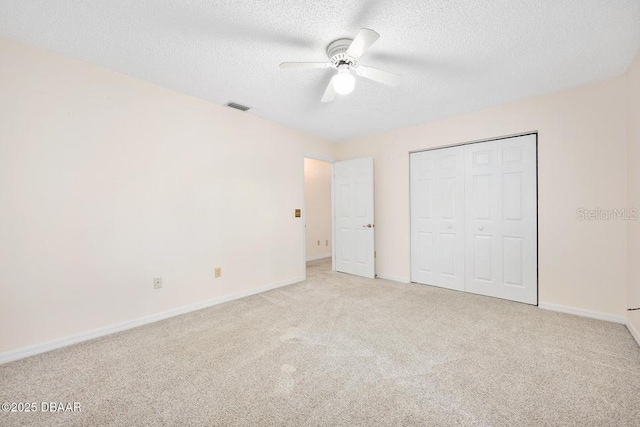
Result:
{"points": [[341, 350]]}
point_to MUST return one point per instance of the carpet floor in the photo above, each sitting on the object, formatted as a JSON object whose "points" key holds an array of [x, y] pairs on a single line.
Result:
{"points": [[339, 350]]}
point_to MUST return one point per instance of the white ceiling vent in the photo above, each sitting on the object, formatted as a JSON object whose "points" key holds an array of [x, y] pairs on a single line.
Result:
{"points": [[237, 106]]}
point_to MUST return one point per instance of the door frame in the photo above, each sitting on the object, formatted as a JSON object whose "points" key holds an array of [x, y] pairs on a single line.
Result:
{"points": [[327, 159], [478, 141]]}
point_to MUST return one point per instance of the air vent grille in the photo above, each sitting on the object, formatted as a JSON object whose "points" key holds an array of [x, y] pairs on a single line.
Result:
{"points": [[237, 106]]}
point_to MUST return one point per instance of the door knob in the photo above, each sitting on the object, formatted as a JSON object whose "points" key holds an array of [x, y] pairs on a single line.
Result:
{"points": [[368, 225]]}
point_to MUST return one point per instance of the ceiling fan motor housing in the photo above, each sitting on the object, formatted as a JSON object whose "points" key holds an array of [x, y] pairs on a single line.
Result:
{"points": [[337, 53]]}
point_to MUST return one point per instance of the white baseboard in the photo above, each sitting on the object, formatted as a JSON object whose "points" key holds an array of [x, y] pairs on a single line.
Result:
{"points": [[634, 332], [317, 257], [393, 278], [21, 353], [584, 313]]}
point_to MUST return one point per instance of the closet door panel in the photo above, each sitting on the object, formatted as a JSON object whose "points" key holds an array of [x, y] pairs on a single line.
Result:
{"points": [[437, 218], [501, 218], [481, 212], [519, 219]]}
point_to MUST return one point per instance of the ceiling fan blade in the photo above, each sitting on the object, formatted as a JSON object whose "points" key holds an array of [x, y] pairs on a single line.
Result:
{"points": [[362, 42], [329, 93], [379, 76], [305, 65]]}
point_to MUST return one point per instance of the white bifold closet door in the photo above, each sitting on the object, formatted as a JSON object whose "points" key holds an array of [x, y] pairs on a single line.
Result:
{"points": [[501, 218], [437, 217], [499, 207]]}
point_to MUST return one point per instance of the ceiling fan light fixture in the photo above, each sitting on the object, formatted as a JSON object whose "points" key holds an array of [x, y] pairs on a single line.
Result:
{"points": [[344, 55], [344, 82]]}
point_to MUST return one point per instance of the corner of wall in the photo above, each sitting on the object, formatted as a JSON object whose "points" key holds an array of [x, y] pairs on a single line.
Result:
{"points": [[632, 93]]}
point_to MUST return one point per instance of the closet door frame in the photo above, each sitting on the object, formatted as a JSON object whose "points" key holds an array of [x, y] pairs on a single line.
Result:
{"points": [[535, 133]]}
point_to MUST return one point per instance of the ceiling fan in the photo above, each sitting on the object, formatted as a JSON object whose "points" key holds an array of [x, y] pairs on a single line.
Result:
{"points": [[344, 55]]}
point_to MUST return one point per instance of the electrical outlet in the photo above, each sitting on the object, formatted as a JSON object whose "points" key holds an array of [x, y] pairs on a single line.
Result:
{"points": [[157, 283], [218, 272]]}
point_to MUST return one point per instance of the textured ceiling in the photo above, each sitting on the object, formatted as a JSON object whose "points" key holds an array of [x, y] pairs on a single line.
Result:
{"points": [[456, 56]]}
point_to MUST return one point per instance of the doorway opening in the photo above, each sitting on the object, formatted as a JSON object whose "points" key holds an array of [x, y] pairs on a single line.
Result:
{"points": [[318, 211]]}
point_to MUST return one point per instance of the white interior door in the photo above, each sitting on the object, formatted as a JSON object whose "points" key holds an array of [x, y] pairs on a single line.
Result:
{"points": [[437, 218], [501, 218], [354, 240]]}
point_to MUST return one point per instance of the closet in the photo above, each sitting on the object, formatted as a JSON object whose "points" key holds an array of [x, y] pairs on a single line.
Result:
{"points": [[474, 218]]}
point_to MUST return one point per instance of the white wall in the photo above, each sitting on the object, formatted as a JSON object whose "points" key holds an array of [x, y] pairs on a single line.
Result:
{"points": [[582, 164], [633, 194], [317, 212], [107, 182]]}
